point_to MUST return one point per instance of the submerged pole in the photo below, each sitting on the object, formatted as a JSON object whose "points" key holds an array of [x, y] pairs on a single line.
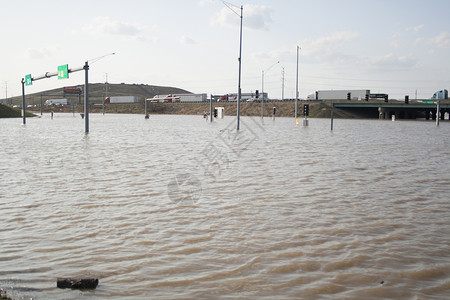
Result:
{"points": [[332, 117], [23, 102], [296, 90], [86, 98], [239, 84], [438, 111]]}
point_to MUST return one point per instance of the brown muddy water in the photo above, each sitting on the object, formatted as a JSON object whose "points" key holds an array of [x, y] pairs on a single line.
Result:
{"points": [[177, 208]]}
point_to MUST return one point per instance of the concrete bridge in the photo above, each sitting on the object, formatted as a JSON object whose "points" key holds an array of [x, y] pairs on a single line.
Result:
{"points": [[385, 110]]}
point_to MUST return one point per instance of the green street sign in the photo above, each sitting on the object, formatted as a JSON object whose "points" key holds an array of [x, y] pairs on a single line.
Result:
{"points": [[28, 80], [63, 72], [428, 101]]}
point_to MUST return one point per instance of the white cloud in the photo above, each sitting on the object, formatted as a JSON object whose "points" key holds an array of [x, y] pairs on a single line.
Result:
{"points": [[390, 62], [415, 28], [418, 41], [442, 40], [327, 44], [104, 25], [257, 17], [205, 2], [187, 41], [40, 53]]}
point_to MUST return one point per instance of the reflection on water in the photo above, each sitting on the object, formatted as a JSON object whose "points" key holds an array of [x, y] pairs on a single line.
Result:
{"points": [[175, 207]]}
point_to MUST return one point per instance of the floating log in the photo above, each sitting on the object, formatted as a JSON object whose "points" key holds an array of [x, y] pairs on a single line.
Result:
{"points": [[77, 283]]}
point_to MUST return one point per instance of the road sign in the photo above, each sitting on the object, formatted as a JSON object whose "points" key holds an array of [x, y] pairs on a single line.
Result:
{"points": [[28, 80], [63, 72], [427, 101]]}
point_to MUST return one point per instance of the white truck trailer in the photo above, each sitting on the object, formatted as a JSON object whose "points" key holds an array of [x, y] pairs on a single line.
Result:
{"points": [[55, 102], [340, 95], [178, 98], [121, 99]]}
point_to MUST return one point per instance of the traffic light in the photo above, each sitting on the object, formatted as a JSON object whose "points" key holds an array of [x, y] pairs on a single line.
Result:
{"points": [[257, 94], [349, 95], [406, 99], [386, 98], [306, 109], [215, 112], [367, 97]]}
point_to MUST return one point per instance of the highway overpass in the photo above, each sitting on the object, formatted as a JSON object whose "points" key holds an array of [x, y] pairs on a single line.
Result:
{"points": [[385, 110]]}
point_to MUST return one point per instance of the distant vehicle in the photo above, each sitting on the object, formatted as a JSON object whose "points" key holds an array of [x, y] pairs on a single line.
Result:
{"points": [[178, 98], [56, 102], [339, 95], [121, 99], [189, 97], [244, 97], [73, 90], [440, 95], [228, 97], [164, 99]]}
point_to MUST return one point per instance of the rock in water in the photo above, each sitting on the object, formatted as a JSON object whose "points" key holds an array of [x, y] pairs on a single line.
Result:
{"points": [[77, 283]]}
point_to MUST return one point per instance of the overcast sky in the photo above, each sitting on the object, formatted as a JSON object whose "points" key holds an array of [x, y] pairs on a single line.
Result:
{"points": [[388, 46]]}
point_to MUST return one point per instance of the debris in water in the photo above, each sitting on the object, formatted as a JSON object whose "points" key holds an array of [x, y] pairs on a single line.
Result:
{"points": [[78, 283]]}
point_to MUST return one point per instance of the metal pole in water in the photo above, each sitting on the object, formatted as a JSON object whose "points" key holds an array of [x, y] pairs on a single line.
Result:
{"points": [[438, 112], [210, 110], [86, 98], [146, 110], [23, 102], [262, 89], [296, 91], [332, 117], [239, 85]]}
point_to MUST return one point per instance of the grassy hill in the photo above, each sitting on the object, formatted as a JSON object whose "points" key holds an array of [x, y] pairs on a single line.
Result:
{"points": [[7, 111], [97, 92]]}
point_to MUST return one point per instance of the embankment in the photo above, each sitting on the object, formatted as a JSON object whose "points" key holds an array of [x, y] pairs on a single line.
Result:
{"points": [[283, 109], [7, 111]]}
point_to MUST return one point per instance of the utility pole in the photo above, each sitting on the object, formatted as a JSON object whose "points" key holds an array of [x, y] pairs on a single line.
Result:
{"points": [[24, 118], [86, 98], [106, 92], [229, 5], [296, 89], [239, 85], [282, 84]]}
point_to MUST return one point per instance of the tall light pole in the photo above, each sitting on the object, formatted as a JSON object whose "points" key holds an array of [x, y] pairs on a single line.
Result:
{"points": [[106, 93], [282, 84], [86, 92], [240, 59], [296, 88], [239, 84], [86, 97], [262, 88]]}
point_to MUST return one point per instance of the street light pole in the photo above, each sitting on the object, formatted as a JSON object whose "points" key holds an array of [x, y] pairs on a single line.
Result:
{"points": [[23, 102], [262, 88], [282, 84], [296, 89], [262, 91], [239, 84], [86, 98]]}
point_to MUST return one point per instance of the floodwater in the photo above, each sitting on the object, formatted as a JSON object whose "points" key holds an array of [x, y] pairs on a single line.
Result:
{"points": [[175, 207]]}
